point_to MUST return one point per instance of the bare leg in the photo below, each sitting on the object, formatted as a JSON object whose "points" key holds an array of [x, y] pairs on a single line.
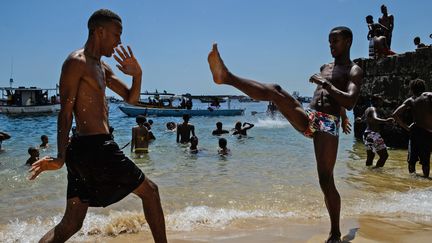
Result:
{"points": [[383, 155], [425, 162], [326, 147], [70, 223], [149, 194], [287, 105], [370, 157]]}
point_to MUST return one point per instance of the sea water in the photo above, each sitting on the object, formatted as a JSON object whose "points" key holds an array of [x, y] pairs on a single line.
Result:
{"points": [[271, 174]]}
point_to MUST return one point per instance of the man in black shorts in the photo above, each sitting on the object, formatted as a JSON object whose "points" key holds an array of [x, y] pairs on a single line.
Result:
{"points": [[99, 174], [420, 143]]}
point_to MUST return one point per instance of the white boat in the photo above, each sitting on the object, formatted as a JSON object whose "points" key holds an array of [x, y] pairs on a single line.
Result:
{"points": [[30, 100]]}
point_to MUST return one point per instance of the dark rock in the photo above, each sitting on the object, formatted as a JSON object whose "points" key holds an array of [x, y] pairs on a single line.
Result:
{"points": [[389, 78]]}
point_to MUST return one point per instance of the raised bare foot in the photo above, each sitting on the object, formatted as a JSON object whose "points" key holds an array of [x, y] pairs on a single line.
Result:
{"points": [[217, 67]]}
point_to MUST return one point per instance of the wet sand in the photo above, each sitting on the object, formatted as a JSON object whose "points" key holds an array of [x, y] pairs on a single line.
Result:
{"points": [[363, 230]]}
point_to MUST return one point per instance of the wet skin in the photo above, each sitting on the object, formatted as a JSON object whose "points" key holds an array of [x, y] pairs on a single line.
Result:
{"points": [[342, 80], [84, 79]]}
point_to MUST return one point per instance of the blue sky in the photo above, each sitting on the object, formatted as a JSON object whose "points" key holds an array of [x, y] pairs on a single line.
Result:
{"points": [[271, 41]]}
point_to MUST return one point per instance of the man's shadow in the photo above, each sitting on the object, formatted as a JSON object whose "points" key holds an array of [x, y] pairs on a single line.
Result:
{"points": [[350, 236]]}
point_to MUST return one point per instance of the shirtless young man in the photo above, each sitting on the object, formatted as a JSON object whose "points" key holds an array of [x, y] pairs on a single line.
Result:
{"points": [[241, 130], [387, 20], [184, 130], [99, 174], [338, 87], [371, 137], [420, 144], [219, 131], [140, 137]]}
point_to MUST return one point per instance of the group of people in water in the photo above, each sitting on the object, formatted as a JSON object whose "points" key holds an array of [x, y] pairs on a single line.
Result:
{"points": [[142, 135], [99, 173], [34, 152]]}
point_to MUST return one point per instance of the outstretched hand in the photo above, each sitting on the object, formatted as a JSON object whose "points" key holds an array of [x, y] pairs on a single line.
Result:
{"points": [[127, 62], [317, 79], [46, 163]]}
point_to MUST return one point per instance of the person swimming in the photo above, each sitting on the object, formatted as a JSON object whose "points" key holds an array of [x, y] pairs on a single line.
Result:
{"points": [[44, 144], [194, 145], [171, 126], [219, 131], [241, 130], [34, 155], [223, 150]]}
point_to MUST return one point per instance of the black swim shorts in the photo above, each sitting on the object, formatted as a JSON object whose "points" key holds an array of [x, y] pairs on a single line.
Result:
{"points": [[98, 171], [420, 146]]}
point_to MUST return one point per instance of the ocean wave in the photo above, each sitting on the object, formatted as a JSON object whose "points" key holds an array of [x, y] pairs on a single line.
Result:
{"points": [[416, 202], [192, 218], [278, 122], [121, 222]]}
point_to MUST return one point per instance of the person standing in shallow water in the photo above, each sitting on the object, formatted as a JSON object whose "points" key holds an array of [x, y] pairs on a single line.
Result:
{"points": [[420, 131], [371, 137], [140, 137], [99, 174], [338, 87], [185, 130], [219, 131], [241, 130]]}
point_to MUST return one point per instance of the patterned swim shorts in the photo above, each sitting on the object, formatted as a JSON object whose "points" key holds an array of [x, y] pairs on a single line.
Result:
{"points": [[321, 122], [373, 141]]}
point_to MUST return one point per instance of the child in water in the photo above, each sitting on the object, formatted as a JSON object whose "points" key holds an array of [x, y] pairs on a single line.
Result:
{"points": [[44, 144], [194, 143], [34, 155], [223, 150]]}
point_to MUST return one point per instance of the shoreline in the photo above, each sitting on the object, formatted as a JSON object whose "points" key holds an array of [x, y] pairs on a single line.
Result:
{"points": [[363, 229]]}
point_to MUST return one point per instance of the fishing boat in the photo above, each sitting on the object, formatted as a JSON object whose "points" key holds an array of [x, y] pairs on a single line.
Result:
{"points": [[30, 100], [170, 105], [246, 99], [210, 98]]}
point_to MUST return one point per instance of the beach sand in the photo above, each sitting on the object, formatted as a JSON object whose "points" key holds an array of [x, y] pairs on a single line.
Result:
{"points": [[364, 229]]}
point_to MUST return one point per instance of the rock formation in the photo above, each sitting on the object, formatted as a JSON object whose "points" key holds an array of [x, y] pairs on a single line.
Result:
{"points": [[389, 79]]}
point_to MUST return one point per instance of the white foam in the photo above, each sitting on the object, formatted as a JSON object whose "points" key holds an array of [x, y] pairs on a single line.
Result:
{"points": [[417, 202], [191, 218], [119, 222], [278, 122], [95, 224]]}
